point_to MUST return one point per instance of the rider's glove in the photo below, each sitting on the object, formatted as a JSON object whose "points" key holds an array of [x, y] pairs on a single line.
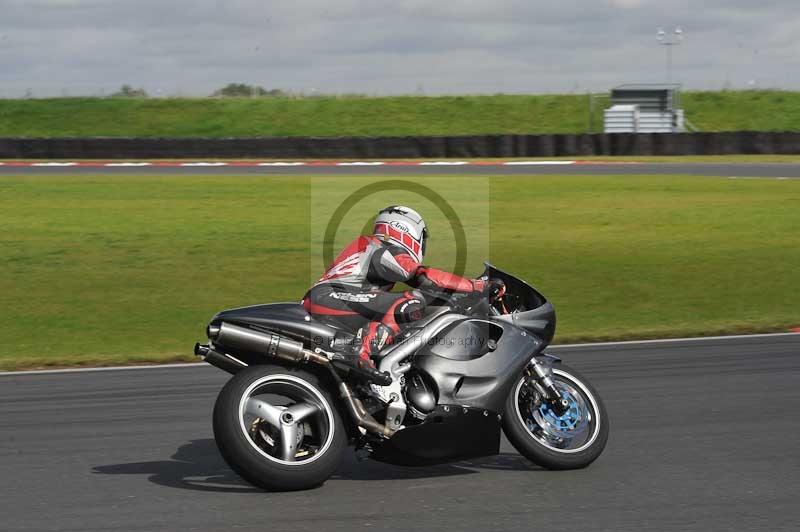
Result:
{"points": [[478, 285], [493, 289]]}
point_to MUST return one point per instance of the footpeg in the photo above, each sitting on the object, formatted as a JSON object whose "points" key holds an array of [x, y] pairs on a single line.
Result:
{"points": [[372, 375], [381, 378]]}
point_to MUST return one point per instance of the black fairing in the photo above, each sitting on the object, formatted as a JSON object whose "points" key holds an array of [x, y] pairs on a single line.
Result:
{"points": [[527, 307], [288, 319], [480, 374]]}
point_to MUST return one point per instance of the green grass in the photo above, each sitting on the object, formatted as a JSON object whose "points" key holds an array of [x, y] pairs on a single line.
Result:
{"points": [[719, 159], [112, 269], [332, 116]]}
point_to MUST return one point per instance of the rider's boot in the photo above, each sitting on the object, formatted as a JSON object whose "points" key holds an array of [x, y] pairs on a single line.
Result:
{"points": [[369, 340]]}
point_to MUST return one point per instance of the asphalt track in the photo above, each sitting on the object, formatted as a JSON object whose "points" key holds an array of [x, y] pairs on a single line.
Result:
{"points": [[703, 438], [732, 170]]}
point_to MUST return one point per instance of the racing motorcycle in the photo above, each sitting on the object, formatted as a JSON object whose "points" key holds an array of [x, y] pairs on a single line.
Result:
{"points": [[443, 391]]}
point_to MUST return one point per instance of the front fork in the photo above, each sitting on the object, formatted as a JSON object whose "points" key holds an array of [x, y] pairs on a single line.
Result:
{"points": [[541, 374]]}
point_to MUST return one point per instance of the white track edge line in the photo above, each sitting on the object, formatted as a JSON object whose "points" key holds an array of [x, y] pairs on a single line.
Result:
{"points": [[537, 163], [674, 340], [102, 368], [550, 348]]}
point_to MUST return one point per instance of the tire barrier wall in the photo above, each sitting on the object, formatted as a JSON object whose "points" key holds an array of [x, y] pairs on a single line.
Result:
{"points": [[479, 146]]}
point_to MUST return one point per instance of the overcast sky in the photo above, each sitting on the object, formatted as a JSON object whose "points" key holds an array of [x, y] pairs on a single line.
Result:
{"points": [[190, 47]]}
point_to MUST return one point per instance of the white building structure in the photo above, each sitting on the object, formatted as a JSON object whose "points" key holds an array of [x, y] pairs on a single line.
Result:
{"points": [[644, 108]]}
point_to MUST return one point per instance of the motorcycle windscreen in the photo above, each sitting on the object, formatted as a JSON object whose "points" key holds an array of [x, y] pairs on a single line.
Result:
{"points": [[526, 307]]}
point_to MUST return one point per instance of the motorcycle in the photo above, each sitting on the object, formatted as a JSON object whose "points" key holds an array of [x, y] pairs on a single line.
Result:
{"points": [[446, 388]]}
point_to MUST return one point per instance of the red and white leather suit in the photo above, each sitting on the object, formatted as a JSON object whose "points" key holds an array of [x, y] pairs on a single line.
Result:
{"points": [[355, 291]]}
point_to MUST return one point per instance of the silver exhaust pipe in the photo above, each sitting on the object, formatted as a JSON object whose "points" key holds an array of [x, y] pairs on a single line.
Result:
{"points": [[267, 344], [360, 415], [218, 360]]}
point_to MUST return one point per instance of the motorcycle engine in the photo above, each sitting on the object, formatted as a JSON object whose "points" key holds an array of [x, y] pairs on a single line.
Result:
{"points": [[420, 394]]}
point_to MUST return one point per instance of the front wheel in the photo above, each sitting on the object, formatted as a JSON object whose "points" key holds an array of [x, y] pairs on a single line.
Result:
{"points": [[569, 441], [278, 428]]}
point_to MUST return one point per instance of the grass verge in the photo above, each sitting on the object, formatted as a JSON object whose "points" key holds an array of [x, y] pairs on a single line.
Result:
{"points": [[719, 159], [403, 116], [128, 269]]}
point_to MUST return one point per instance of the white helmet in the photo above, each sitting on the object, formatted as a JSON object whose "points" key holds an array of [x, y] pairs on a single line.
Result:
{"points": [[403, 226]]}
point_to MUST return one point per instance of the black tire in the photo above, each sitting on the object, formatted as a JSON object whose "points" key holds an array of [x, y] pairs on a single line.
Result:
{"points": [[536, 451], [238, 450]]}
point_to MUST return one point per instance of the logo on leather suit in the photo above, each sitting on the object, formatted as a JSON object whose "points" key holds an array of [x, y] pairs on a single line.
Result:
{"points": [[353, 298]]}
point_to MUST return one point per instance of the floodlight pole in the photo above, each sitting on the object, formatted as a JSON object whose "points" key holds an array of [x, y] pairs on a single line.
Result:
{"points": [[669, 40]]}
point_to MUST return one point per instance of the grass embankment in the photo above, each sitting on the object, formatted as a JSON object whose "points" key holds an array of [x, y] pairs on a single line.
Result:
{"points": [[105, 270], [719, 159], [354, 116]]}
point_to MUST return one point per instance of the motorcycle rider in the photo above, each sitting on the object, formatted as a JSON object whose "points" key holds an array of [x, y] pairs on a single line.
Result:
{"points": [[355, 291]]}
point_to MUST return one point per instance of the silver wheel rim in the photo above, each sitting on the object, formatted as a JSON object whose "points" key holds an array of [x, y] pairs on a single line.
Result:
{"points": [[286, 419], [558, 433]]}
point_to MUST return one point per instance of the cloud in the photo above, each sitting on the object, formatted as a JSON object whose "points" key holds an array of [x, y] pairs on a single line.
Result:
{"points": [[378, 47], [627, 4]]}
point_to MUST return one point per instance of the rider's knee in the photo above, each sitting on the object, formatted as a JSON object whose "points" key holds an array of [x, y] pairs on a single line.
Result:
{"points": [[411, 309]]}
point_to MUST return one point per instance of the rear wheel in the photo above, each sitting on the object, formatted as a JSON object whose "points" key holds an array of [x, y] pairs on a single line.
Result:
{"points": [[571, 440], [278, 428]]}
